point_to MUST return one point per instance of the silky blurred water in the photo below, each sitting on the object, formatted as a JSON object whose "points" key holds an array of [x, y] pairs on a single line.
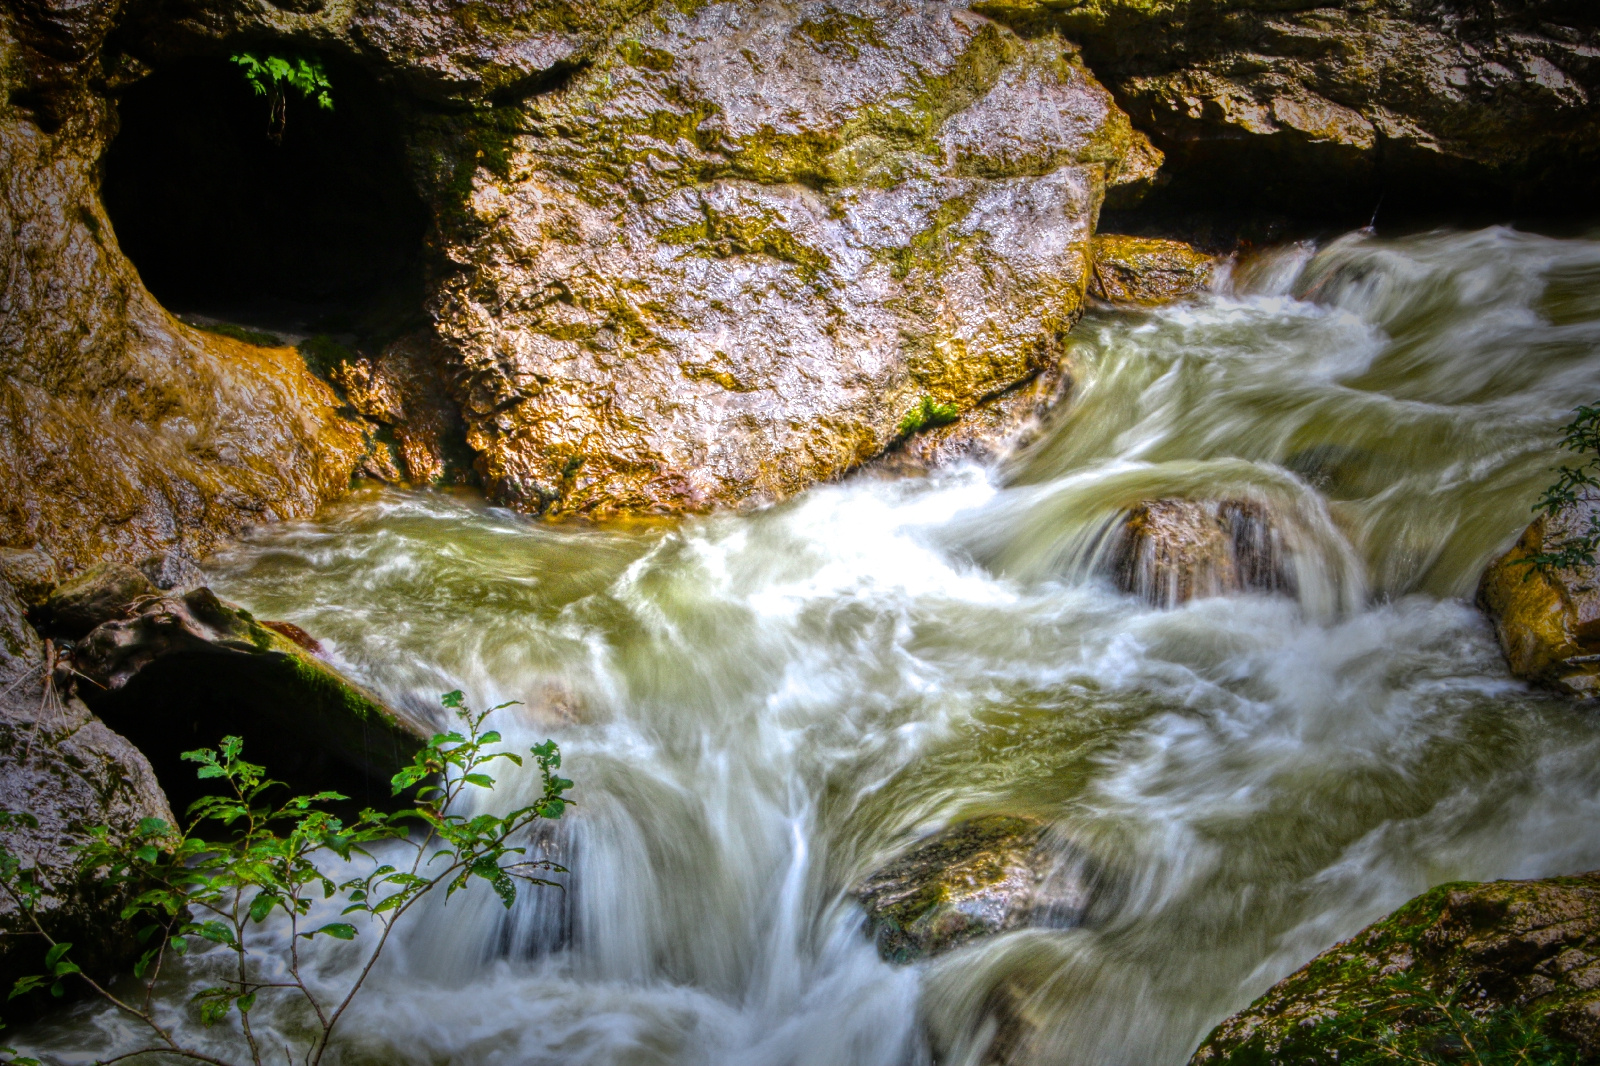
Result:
{"points": [[759, 709]]}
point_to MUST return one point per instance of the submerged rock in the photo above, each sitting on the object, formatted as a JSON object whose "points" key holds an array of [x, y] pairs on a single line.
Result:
{"points": [[1305, 104], [1548, 622], [1516, 964], [974, 879], [728, 259], [1147, 270], [1172, 551], [189, 669]]}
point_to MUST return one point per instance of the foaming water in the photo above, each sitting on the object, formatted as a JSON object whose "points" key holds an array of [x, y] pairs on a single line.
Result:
{"points": [[760, 709]]}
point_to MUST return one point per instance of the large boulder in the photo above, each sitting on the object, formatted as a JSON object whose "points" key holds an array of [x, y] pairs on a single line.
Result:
{"points": [[1318, 104], [1144, 271], [1170, 551], [974, 879], [176, 672], [1511, 968], [727, 260], [1548, 620]]}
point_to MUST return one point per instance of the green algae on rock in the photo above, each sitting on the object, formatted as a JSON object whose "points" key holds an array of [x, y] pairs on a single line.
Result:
{"points": [[721, 264], [1548, 621], [1145, 270], [1503, 971]]}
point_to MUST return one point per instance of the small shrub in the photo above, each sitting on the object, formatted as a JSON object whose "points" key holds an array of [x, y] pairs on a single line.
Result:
{"points": [[273, 76], [1573, 484], [189, 891], [928, 414]]}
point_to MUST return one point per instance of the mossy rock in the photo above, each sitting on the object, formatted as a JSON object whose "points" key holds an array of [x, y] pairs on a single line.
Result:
{"points": [[1500, 972], [1146, 270]]}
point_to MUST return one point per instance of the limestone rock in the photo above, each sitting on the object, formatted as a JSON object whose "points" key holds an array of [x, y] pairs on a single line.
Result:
{"points": [[173, 569], [20, 650], [1299, 101], [977, 878], [724, 261], [1548, 623], [212, 666], [1172, 551], [31, 574], [989, 433], [1510, 955], [403, 388], [1147, 271], [98, 595]]}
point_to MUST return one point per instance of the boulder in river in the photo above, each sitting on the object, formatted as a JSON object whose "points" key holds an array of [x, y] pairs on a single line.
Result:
{"points": [[181, 671], [1147, 270], [976, 878], [1507, 966], [1170, 551], [1548, 621]]}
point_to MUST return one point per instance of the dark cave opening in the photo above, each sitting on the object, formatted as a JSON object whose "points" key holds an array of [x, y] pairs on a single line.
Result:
{"points": [[319, 230]]}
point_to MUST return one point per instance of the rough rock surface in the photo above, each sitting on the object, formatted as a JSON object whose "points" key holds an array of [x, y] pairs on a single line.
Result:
{"points": [[1548, 623], [96, 596], [1172, 551], [1300, 100], [1519, 961], [988, 433], [976, 878], [122, 431], [1147, 270], [403, 389], [32, 575], [66, 768], [724, 261], [173, 654]]}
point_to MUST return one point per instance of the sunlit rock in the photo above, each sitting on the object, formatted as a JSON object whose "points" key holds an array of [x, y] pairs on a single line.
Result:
{"points": [[1146, 270], [974, 879], [190, 669], [1172, 551], [730, 258], [1548, 621], [403, 388], [1505, 965]]}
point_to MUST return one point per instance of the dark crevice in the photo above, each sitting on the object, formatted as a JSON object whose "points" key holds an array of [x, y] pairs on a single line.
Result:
{"points": [[322, 231]]}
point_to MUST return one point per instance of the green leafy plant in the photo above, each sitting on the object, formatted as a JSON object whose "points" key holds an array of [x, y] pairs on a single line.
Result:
{"points": [[928, 414], [1573, 485], [273, 76], [188, 891]]}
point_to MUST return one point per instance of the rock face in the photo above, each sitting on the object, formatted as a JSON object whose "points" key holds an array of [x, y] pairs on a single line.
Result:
{"points": [[1296, 101], [1172, 551], [194, 667], [1548, 623], [727, 259], [402, 388], [976, 878], [1145, 270], [1514, 966]]}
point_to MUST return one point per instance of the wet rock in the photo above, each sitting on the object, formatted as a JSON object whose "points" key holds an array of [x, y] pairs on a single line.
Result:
{"points": [[20, 650], [1306, 104], [31, 574], [725, 261], [63, 766], [1172, 551], [989, 433], [1548, 622], [974, 879], [403, 388], [1512, 958], [194, 667], [1147, 270], [94, 597], [173, 569], [122, 431]]}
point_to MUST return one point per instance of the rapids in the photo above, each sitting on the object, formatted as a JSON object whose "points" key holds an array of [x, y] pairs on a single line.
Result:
{"points": [[758, 709]]}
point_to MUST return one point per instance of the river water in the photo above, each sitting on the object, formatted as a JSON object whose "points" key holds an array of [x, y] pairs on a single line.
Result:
{"points": [[760, 709]]}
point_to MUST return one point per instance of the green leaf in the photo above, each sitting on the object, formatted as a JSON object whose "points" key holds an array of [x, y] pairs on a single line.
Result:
{"points": [[53, 956], [339, 930], [452, 699], [481, 780]]}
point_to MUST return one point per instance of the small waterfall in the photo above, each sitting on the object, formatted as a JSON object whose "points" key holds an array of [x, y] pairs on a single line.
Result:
{"points": [[1214, 630]]}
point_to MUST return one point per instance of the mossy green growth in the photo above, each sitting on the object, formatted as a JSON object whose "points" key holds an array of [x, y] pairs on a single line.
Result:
{"points": [[259, 338], [928, 414], [323, 354]]}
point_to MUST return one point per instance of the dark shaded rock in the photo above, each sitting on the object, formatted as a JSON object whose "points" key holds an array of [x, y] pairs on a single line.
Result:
{"points": [[1548, 622], [1516, 959], [1147, 270], [20, 650], [974, 879], [1172, 551], [94, 597], [1315, 106], [173, 569], [31, 574], [189, 669]]}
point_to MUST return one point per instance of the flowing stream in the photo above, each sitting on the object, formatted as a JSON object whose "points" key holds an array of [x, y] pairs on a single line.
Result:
{"points": [[760, 709]]}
